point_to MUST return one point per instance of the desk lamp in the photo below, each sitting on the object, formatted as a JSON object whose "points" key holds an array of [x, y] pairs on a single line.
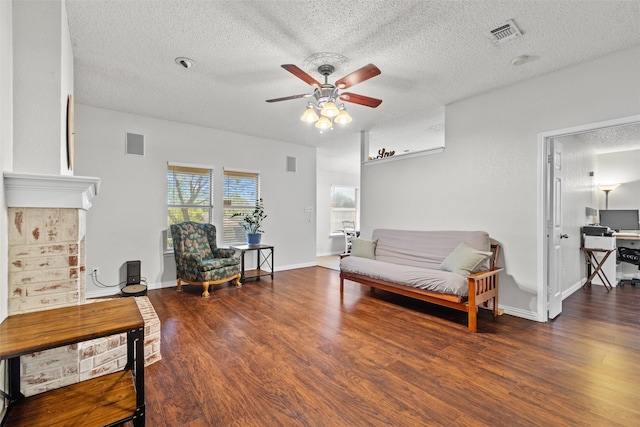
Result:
{"points": [[607, 188]]}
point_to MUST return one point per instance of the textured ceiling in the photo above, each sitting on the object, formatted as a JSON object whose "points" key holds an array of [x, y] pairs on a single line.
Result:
{"points": [[431, 53], [613, 139]]}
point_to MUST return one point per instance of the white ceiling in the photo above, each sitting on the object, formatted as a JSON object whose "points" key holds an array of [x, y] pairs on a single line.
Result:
{"points": [[613, 139], [431, 53]]}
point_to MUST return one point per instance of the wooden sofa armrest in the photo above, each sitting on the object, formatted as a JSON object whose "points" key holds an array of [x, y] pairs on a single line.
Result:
{"points": [[495, 248], [483, 274], [483, 286]]}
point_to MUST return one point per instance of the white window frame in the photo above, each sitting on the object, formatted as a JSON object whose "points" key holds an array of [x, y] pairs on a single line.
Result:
{"points": [[169, 247], [333, 231]]}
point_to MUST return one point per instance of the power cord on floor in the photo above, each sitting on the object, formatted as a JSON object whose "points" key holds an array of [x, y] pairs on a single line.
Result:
{"points": [[98, 283]]}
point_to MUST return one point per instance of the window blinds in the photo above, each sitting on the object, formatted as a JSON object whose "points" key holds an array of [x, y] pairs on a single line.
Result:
{"points": [[189, 196], [241, 191]]}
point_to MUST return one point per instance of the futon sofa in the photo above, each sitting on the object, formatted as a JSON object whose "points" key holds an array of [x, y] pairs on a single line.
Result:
{"points": [[456, 269]]}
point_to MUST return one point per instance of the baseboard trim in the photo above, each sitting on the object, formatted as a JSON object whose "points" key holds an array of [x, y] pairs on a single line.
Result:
{"points": [[294, 266], [573, 289], [518, 312]]}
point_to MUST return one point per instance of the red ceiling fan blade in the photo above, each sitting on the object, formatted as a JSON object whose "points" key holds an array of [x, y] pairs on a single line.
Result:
{"points": [[286, 98], [358, 76], [360, 99], [297, 71]]}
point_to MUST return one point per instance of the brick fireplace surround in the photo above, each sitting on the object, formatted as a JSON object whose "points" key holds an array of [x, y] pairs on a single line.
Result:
{"points": [[47, 269]]}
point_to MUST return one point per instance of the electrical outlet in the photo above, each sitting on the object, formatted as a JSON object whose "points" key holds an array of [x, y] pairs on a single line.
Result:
{"points": [[95, 271]]}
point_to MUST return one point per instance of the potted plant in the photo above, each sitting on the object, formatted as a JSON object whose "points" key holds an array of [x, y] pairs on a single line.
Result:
{"points": [[251, 222]]}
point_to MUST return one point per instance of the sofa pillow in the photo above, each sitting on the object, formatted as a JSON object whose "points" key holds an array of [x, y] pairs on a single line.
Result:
{"points": [[464, 260], [364, 248]]}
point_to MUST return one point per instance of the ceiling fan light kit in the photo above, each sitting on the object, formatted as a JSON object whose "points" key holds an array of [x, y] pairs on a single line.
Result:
{"points": [[343, 117], [324, 111], [324, 123], [309, 115], [330, 109]]}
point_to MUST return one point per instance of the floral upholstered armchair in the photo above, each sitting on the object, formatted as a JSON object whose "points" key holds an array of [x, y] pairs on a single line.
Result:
{"points": [[198, 260]]}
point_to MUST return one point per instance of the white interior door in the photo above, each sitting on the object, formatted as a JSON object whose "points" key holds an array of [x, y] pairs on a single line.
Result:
{"points": [[554, 229]]}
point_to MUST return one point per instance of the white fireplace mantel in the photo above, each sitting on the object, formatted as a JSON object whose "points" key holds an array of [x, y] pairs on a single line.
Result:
{"points": [[30, 190]]}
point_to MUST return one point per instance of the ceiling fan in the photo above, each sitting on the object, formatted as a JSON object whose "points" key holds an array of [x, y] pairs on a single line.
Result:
{"points": [[326, 94]]}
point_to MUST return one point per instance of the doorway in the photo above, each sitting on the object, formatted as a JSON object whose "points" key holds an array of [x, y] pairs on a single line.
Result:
{"points": [[550, 290]]}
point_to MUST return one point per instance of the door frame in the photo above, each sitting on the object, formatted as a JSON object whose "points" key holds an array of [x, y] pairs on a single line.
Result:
{"points": [[543, 176]]}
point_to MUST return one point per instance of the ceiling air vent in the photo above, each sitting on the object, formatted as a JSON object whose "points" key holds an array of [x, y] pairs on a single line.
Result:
{"points": [[505, 32]]}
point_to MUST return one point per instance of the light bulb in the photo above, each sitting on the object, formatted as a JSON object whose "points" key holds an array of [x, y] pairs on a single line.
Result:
{"points": [[309, 115], [343, 117], [323, 123], [330, 109]]}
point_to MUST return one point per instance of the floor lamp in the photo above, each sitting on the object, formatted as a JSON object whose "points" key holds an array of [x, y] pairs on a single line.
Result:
{"points": [[607, 188]]}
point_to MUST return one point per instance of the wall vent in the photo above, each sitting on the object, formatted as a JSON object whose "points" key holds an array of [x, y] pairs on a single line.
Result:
{"points": [[291, 164], [135, 144], [505, 32]]}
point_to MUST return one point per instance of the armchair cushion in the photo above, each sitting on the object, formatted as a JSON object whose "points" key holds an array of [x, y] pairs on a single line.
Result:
{"points": [[224, 252], [212, 264], [195, 242]]}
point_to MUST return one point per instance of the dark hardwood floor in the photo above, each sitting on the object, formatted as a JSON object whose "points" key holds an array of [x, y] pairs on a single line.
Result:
{"points": [[292, 353]]}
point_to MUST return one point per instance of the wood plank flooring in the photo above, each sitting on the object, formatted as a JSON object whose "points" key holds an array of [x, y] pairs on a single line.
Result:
{"points": [[292, 353]]}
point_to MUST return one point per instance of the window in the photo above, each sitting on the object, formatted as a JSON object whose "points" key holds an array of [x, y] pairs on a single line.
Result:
{"points": [[241, 190], [344, 206], [189, 196]]}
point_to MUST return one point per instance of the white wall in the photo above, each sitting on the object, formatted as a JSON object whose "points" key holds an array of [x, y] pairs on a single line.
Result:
{"points": [[622, 168], [417, 131], [36, 74], [129, 214], [490, 174], [43, 62], [6, 139]]}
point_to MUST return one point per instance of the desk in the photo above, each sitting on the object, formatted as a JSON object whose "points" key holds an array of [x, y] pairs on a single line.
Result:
{"points": [[263, 260], [592, 260], [628, 237], [628, 269]]}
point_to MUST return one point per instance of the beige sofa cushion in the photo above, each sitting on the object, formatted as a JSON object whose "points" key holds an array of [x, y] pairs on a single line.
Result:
{"points": [[426, 249], [434, 280], [364, 248]]}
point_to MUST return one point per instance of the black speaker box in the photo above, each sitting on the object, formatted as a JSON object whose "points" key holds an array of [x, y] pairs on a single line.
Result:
{"points": [[133, 272]]}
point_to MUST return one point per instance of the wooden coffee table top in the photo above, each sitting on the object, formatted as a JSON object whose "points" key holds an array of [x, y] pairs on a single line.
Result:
{"points": [[29, 332]]}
